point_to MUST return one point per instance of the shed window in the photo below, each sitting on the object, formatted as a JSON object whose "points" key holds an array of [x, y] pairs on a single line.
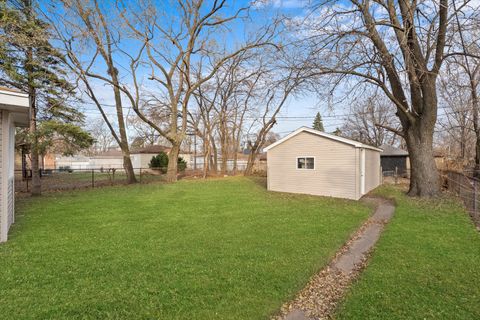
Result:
{"points": [[306, 163]]}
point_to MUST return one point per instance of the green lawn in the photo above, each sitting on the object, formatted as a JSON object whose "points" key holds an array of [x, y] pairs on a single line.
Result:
{"points": [[425, 266], [217, 249]]}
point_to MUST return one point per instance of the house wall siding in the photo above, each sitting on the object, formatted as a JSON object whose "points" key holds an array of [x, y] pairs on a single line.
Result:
{"points": [[14, 111], [7, 184], [10, 172], [372, 169], [335, 172], [3, 216]]}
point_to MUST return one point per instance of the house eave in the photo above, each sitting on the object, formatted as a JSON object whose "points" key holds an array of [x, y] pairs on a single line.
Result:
{"points": [[18, 104], [353, 143]]}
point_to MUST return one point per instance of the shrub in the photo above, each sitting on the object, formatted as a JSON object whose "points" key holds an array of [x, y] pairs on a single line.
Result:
{"points": [[182, 164], [160, 162]]}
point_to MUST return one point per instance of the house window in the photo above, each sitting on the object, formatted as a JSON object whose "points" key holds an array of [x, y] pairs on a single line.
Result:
{"points": [[306, 163]]}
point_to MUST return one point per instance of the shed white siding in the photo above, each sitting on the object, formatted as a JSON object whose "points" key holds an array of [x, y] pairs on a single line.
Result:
{"points": [[372, 170], [343, 168], [335, 167]]}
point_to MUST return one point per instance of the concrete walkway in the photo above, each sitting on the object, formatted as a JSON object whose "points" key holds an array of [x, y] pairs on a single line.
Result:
{"points": [[319, 299]]}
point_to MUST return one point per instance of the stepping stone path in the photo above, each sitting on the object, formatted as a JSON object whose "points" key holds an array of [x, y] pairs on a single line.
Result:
{"points": [[319, 299]]}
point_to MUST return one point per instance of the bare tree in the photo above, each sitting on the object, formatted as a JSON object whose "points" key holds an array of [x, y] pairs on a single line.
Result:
{"points": [[144, 133], [182, 56], [370, 120], [397, 46], [91, 40], [278, 85], [242, 108], [244, 98], [468, 42], [455, 126], [223, 104], [204, 122], [103, 137]]}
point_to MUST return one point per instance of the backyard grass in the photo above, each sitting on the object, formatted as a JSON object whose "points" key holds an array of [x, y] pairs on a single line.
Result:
{"points": [[425, 266], [217, 249]]}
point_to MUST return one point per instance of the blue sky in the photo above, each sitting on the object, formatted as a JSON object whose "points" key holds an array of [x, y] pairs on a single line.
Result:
{"points": [[299, 111]]}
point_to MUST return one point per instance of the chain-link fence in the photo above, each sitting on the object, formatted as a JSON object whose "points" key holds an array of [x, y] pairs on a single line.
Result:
{"points": [[466, 188], [396, 176], [69, 179]]}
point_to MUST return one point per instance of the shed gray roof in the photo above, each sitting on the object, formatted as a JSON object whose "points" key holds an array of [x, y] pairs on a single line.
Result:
{"points": [[392, 151]]}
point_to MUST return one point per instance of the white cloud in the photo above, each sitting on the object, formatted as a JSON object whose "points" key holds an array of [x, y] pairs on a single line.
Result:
{"points": [[286, 4]]}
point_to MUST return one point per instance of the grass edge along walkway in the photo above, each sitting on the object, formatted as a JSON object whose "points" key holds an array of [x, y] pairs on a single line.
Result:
{"points": [[326, 289], [426, 265]]}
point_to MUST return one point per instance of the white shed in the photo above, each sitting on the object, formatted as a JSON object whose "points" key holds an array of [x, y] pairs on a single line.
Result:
{"points": [[314, 162], [14, 111]]}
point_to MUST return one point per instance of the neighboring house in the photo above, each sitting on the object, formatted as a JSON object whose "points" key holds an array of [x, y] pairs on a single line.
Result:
{"points": [[394, 160], [314, 162], [109, 159], [141, 157], [14, 111], [241, 163], [73, 162], [113, 158]]}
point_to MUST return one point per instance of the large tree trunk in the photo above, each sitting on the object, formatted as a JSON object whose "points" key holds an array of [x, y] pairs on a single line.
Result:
{"points": [[214, 159], [476, 126], [36, 183], [129, 170], [224, 165], [206, 158], [476, 169], [250, 162], [235, 161], [424, 177], [257, 145], [173, 163], [127, 161]]}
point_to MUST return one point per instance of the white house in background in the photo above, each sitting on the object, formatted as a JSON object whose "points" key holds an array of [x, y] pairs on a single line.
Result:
{"points": [[314, 162], [113, 159], [71, 162], [14, 111], [141, 156]]}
